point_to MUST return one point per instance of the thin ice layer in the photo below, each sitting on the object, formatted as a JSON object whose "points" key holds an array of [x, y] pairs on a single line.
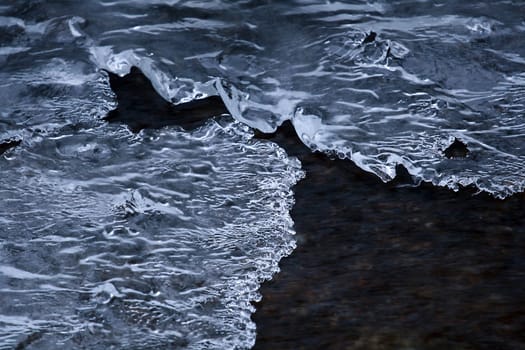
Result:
{"points": [[155, 240], [47, 80], [382, 83], [398, 97]]}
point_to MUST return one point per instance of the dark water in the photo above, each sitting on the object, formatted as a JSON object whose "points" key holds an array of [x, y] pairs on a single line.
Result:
{"points": [[394, 266], [145, 211]]}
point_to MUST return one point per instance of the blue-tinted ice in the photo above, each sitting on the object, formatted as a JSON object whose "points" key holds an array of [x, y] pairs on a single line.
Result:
{"points": [[111, 239]]}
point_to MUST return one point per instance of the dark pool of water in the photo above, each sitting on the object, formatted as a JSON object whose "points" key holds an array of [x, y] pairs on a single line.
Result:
{"points": [[395, 266]]}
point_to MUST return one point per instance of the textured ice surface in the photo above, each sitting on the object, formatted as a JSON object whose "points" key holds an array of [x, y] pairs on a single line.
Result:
{"points": [[110, 239], [114, 240], [160, 239], [433, 73]]}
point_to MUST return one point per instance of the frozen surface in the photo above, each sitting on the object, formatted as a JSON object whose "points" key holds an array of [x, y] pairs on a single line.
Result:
{"points": [[435, 71], [138, 241], [110, 239]]}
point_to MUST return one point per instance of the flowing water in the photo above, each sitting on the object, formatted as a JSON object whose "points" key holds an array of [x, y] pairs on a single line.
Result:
{"points": [[115, 239]]}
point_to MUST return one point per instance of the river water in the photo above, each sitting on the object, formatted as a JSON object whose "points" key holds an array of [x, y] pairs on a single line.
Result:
{"points": [[115, 239]]}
